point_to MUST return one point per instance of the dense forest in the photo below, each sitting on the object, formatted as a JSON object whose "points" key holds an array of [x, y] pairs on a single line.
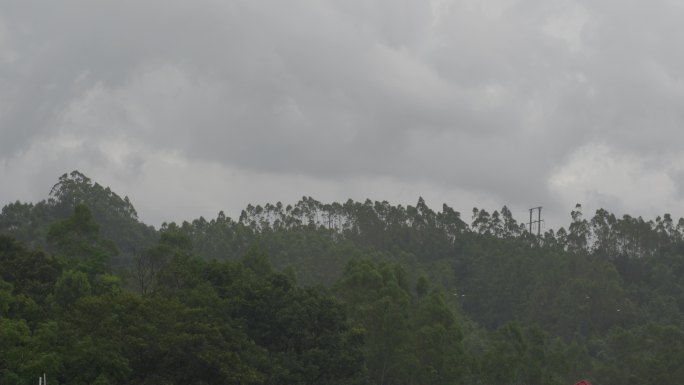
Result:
{"points": [[338, 293]]}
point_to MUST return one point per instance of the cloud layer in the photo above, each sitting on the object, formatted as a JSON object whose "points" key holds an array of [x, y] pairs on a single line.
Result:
{"points": [[192, 107]]}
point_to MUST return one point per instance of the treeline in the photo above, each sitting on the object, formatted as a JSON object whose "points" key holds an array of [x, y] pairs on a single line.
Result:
{"points": [[354, 292], [200, 322]]}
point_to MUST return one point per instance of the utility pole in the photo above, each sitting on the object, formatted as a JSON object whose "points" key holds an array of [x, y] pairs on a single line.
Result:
{"points": [[538, 222]]}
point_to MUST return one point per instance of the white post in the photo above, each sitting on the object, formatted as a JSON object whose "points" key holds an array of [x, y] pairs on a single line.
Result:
{"points": [[40, 380]]}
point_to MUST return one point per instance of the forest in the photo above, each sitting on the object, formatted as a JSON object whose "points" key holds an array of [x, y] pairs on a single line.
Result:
{"points": [[334, 293]]}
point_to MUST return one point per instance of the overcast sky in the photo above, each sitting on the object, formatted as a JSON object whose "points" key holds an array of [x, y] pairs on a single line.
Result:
{"points": [[191, 107]]}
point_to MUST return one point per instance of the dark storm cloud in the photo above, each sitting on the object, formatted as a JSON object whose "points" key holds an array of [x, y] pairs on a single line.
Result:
{"points": [[495, 98]]}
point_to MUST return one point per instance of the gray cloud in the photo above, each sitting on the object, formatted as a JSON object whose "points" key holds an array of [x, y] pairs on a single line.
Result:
{"points": [[462, 98]]}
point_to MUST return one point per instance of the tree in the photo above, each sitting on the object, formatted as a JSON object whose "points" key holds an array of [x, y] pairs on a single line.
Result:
{"points": [[78, 239], [650, 354], [32, 273], [579, 231], [71, 286]]}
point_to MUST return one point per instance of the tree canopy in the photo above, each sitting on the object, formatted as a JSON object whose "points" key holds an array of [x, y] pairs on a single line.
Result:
{"points": [[334, 293]]}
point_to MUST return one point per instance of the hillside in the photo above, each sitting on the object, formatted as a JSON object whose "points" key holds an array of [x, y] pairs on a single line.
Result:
{"points": [[334, 293]]}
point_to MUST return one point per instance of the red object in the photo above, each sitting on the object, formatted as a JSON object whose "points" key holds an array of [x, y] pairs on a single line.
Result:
{"points": [[583, 382]]}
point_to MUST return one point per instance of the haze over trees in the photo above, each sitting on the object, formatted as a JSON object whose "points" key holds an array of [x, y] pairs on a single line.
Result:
{"points": [[334, 293]]}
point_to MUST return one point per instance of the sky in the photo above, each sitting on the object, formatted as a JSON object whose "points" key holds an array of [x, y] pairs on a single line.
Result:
{"points": [[192, 107]]}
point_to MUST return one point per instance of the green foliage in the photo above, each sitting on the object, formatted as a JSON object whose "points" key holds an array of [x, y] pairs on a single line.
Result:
{"points": [[71, 286], [339, 293], [257, 262], [78, 239], [117, 217], [408, 339], [6, 299], [650, 354], [32, 273], [525, 355]]}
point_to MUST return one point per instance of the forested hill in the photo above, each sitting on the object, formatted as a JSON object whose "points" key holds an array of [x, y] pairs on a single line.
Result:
{"points": [[339, 293]]}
